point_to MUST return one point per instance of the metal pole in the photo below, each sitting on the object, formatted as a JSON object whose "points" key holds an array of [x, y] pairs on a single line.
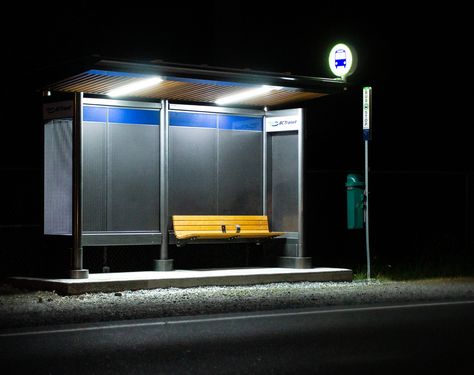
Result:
{"points": [[164, 264], [301, 252], [77, 271], [164, 181], [264, 166], [366, 129], [367, 247], [467, 240]]}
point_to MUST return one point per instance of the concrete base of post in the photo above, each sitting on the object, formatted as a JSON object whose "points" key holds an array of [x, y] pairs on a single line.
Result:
{"points": [[295, 262], [163, 265], [79, 274]]}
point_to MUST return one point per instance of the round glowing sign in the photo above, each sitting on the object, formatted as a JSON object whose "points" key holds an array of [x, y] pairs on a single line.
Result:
{"points": [[342, 60]]}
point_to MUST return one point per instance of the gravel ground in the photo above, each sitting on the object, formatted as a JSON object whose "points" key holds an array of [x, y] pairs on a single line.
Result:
{"points": [[23, 308]]}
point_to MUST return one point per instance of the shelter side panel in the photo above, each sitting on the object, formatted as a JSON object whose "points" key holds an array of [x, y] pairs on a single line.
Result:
{"points": [[58, 176]]}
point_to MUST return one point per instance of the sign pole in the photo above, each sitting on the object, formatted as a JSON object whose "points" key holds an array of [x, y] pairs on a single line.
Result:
{"points": [[366, 124]]}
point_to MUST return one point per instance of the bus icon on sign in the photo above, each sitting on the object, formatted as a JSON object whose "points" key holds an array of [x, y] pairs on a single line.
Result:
{"points": [[340, 58]]}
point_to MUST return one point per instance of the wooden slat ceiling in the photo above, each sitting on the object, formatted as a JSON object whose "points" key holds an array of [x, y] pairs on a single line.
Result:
{"points": [[176, 90]]}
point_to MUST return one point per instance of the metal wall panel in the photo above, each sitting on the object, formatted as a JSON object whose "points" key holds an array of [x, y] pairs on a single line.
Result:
{"points": [[283, 150], [133, 178], [94, 176], [192, 171], [58, 177], [240, 173]]}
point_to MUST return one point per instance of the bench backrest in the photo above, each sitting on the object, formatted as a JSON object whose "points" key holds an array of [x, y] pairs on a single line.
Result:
{"points": [[206, 223]]}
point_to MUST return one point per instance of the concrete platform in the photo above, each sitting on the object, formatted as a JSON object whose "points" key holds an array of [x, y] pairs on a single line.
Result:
{"points": [[113, 282]]}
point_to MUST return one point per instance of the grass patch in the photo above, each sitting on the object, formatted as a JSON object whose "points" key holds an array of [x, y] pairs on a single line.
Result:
{"points": [[445, 267], [362, 275]]}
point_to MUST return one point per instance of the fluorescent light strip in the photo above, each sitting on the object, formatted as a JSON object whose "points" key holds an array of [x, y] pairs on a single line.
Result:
{"points": [[246, 94], [135, 86]]}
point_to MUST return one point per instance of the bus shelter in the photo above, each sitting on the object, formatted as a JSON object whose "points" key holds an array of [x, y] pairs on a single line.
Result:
{"points": [[128, 145]]}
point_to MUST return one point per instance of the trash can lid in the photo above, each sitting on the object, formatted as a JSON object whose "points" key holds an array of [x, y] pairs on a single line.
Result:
{"points": [[354, 180]]}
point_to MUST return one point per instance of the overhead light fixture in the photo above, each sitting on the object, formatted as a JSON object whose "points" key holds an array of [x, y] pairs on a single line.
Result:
{"points": [[135, 86], [246, 94]]}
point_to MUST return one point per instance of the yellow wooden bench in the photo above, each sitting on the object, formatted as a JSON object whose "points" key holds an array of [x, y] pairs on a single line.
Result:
{"points": [[211, 227]]}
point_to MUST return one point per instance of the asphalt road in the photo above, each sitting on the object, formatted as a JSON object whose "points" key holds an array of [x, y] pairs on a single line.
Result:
{"points": [[403, 339]]}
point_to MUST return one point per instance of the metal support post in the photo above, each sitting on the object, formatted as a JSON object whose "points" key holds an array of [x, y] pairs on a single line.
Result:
{"points": [[264, 166], [77, 271], [299, 259], [300, 251], [366, 211], [367, 135], [164, 264]]}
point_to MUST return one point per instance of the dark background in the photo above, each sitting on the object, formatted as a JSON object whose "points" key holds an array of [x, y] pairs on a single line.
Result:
{"points": [[416, 60]]}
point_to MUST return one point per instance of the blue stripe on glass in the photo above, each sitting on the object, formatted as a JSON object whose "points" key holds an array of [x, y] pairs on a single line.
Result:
{"points": [[194, 120], [111, 73], [134, 116], [228, 122], [94, 114]]}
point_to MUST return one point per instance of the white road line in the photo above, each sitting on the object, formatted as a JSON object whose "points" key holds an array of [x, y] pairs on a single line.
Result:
{"points": [[228, 318]]}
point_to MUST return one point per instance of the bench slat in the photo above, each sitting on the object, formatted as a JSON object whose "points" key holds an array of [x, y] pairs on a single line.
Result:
{"points": [[219, 217], [203, 235], [210, 226], [259, 234], [219, 222], [218, 227]]}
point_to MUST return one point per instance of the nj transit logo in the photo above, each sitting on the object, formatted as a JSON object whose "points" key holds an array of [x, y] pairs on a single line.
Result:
{"points": [[57, 110], [282, 123]]}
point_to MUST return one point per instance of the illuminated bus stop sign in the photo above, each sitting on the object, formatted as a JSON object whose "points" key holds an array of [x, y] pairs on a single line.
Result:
{"points": [[342, 60]]}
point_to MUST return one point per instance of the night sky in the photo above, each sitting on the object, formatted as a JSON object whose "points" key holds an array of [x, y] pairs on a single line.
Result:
{"points": [[415, 58]]}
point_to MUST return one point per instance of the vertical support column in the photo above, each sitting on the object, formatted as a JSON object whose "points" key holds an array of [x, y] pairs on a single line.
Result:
{"points": [[164, 264], [77, 271], [301, 260], [295, 252], [264, 166], [300, 250]]}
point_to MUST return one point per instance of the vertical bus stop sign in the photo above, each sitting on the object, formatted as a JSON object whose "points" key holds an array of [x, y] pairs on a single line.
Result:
{"points": [[366, 124], [367, 113]]}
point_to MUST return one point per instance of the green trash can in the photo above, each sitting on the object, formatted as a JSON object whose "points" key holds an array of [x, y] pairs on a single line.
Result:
{"points": [[355, 201]]}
